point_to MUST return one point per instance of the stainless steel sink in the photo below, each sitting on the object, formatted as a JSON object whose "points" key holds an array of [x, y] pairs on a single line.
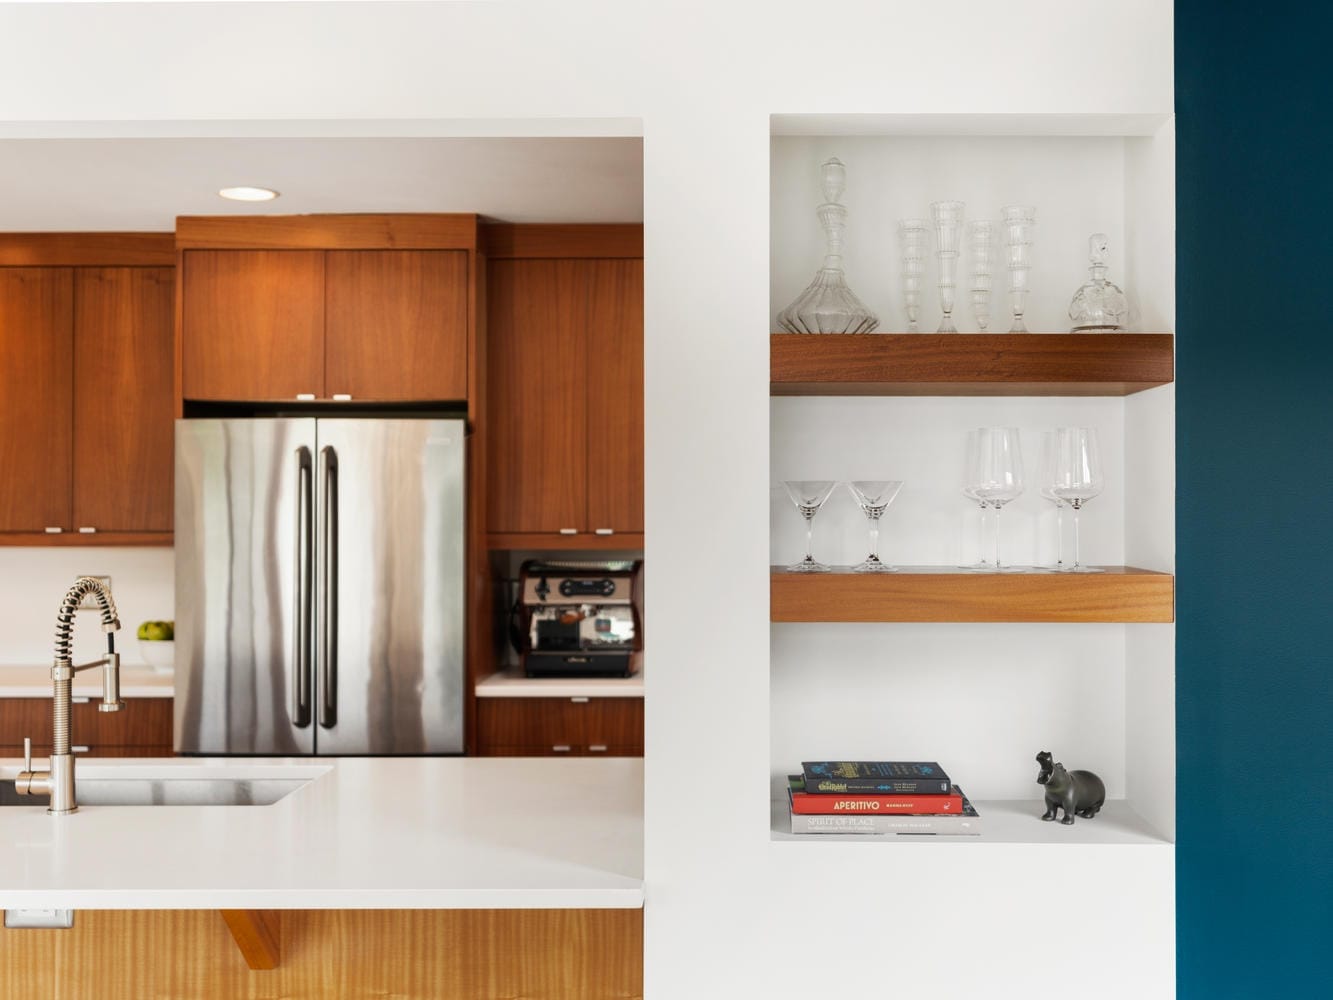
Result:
{"points": [[100, 791]]}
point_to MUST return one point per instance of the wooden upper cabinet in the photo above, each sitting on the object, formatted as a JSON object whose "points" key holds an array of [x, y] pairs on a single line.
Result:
{"points": [[396, 324], [36, 393], [536, 398], [123, 446], [615, 395], [252, 324]]}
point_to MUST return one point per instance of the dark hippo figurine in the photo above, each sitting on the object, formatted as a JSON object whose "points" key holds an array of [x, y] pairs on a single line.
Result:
{"points": [[1079, 793]]}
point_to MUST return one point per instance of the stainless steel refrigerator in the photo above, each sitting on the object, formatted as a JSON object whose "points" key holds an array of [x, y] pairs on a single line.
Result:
{"points": [[319, 586]]}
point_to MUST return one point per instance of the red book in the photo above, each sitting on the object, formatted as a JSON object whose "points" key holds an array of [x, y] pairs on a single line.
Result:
{"points": [[857, 804]]}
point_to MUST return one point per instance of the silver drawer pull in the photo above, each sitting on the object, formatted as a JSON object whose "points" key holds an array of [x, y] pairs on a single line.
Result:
{"points": [[80, 699], [54, 531], [569, 531], [580, 700], [561, 748], [79, 749], [597, 748], [87, 531], [305, 397], [342, 397], [605, 531]]}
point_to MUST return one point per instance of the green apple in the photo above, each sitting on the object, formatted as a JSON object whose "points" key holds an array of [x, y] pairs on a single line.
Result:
{"points": [[157, 631]]}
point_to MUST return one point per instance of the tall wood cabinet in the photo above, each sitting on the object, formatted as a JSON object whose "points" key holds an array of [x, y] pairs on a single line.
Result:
{"points": [[86, 388], [565, 395]]}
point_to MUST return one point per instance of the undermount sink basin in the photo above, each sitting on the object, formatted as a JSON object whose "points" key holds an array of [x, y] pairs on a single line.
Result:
{"points": [[104, 788]]}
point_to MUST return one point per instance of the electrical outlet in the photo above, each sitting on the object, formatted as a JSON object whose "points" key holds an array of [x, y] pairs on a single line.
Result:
{"points": [[89, 601]]}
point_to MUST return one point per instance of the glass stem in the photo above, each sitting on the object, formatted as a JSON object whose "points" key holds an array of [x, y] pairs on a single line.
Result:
{"points": [[809, 538], [1076, 505], [874, 539], [981, 536], [997, 536], [1059, 536]]}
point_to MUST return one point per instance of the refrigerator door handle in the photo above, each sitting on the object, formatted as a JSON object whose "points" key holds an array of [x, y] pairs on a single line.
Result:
{"points": [[305, 604], [328, 647]]}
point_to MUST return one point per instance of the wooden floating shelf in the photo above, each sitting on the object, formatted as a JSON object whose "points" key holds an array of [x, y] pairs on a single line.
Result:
{"points": [[969, 364], [945, 594]]}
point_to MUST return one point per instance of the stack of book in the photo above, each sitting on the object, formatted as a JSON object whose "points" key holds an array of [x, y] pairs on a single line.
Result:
{"points": [[898, 797]]}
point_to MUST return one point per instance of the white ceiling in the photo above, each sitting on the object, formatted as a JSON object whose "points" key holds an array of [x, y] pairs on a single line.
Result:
{"points": [[52, 185]]}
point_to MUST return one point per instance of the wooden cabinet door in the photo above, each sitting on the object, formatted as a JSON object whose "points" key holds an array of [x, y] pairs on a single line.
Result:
{"points": [[528, 725], [36, 397], [536, 399], [615, 395], [123, 398], [396, 324], [614, 726], [253, 324]]}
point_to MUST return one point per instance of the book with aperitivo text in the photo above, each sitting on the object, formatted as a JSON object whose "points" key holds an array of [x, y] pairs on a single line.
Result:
{"points": [[868, 803], [881, 777], [963, 824]]}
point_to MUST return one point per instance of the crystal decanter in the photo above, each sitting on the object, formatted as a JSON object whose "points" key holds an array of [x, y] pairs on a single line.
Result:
{"points": [[1099, 306], [828, 305]]}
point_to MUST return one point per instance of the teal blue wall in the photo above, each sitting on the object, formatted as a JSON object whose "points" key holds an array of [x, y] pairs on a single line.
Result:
{"points": [[1254, 392]]}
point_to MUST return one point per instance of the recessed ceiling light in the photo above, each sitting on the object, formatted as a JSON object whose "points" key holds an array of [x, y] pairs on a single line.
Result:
{"points": [[248, 194]]}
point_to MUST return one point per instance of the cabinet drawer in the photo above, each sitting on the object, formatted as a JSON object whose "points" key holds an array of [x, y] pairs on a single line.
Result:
{"points": [[538, 726], [613, 722], [143, 722]]}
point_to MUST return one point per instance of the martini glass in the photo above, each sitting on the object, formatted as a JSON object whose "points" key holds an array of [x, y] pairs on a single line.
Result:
{"points": [[874, 496], [809, 495]]}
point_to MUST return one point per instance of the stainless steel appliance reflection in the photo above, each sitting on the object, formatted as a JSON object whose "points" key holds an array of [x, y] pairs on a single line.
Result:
{"points": [[319, 586]]}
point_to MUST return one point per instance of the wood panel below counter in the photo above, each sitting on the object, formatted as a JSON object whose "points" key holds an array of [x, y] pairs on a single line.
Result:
{"points": [[426, 954]]}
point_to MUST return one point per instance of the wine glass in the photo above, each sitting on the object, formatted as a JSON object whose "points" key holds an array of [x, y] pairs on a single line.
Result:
{"points": [[971, 483], [874, 497], [1050, 447], [999, 476], [1078, 477], [809, 495]]}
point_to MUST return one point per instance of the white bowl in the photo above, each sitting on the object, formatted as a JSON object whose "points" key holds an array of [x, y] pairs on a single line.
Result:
{"points": [[160, 654]]}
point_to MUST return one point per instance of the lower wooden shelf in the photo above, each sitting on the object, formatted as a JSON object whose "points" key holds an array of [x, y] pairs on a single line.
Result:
{"points": [[946, 594]]}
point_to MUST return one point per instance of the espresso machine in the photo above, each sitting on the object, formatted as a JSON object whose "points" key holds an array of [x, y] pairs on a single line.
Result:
{"points": [[578, 618]]}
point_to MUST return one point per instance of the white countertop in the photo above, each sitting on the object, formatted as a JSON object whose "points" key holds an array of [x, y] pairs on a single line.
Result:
{"points": [[513, 684], [135, 682], [406, 832]]}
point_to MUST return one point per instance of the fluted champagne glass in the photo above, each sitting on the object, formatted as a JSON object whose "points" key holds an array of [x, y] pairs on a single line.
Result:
{"points": [[809, 495], [913, 237], [981, 241], [1018, 222], [947, 217], [1078, 478], [874, 497], [999, 476]]}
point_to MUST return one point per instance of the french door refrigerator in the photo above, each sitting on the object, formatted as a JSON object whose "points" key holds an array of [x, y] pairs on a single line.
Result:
{"points": [[319, 586]]}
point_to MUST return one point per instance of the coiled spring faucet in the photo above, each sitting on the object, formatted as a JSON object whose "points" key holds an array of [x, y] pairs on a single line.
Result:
{"points": [[58, 780]]}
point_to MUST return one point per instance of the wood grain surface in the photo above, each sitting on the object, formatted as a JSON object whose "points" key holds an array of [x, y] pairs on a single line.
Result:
{"points": [[928, 594], [256, 933], [1006, 364], [615, 395], [370, 231], [585, 540], [344, 954], [396, 324], [28, 539], [123, 398], [143, 722], [252, 324], [87, 249], [499, 240], [535, 726], [536, 408], [36, 398]]}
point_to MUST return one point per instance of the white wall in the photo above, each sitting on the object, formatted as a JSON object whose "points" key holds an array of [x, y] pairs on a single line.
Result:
{"points": [[704, 78]]}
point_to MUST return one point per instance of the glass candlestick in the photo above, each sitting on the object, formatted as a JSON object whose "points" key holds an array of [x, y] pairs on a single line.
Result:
{"points": [[981, 240], [913, 235], [948, 219], [1099, 306], [1019, 221], [827, 305]]}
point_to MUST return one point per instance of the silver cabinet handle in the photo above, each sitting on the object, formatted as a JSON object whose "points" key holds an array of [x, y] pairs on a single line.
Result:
{"points": [[561, 748], [54, 531], [605, 531], [80, 749], [305, 397], [579, 700], [569, 531], [305, 604], [342, 397], [597, 748], [82, 699], [328, 591], [87, 531]]}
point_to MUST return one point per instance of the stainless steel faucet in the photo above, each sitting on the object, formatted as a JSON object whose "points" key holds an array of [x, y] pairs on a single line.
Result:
{"points": [[58, 780]]}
